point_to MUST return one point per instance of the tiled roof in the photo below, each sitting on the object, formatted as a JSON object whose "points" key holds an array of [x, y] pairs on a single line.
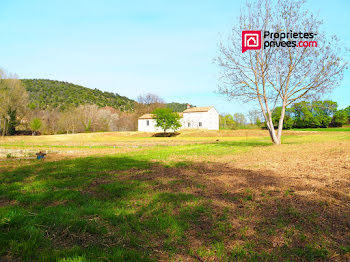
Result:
{"points": [[198, 109], [151, 116], [147, 116]]}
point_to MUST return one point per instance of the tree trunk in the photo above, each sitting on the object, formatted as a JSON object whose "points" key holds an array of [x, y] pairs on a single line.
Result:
{"points": [[280, 123], [272, 132], [268, 119], [4, 128]]}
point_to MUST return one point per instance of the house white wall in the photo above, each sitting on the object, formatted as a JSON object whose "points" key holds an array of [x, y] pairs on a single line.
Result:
{"points": [[201, 120], [148, 125], [209, 120]]}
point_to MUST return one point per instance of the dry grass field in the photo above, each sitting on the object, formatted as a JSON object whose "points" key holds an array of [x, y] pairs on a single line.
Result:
{"points": [[200, 196]]}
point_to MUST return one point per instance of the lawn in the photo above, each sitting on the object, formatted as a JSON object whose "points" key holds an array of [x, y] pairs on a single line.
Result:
{"points": [[201, 196], [329, 129]]}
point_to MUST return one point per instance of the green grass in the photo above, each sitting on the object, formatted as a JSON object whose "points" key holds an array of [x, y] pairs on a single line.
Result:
{"points": [[128, 207], [161, 153], [61, 212], [329, 129]]}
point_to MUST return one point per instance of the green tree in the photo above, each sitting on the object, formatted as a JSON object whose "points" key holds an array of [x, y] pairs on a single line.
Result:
{"points": [[315, 114], [340, 118], [322, 112], [167, 119], [12, 121], [258, 122], [227, 122], [302, 114], [288, 120], [35, 125]]}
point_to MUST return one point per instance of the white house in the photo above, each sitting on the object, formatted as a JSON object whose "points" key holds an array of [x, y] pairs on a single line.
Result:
{"points": [[194, 117]]}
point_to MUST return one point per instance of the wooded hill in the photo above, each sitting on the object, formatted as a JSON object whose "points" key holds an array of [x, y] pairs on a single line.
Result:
{"points": [[44, 93], [50, 94]]}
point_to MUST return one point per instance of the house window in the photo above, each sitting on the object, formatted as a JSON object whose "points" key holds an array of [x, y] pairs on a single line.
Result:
{"points": [[200, 124], [147, 122], [189, 124]]}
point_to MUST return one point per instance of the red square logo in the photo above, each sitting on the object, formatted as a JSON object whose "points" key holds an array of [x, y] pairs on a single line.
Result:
{"points": [[251, 40]]}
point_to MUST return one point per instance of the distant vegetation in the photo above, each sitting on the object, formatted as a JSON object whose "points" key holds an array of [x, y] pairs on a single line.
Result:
{"points": [[177, 107], [239, 121], [302, 115], [316, 114], [45, 94], [40, 106]]}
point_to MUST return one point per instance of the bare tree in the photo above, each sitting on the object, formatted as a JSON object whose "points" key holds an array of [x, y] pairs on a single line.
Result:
{"points": [[107, 119], [148, 99], [51, 119], [147, 103], [127, 121], [68, 121], [87, 115], [239, 118], [254, 115], [279, 76]]}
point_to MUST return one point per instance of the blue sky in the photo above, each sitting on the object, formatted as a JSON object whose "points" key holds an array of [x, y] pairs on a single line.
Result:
{"points": [[134, 47]]}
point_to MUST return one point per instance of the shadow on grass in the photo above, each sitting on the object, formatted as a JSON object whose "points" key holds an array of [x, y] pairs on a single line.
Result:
{"points": [[127, 209], [248, 143], [166, 134]]}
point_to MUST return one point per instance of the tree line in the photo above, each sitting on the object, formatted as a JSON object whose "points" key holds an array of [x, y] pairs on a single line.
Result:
{"points": [[316, 114], [305, 114]]}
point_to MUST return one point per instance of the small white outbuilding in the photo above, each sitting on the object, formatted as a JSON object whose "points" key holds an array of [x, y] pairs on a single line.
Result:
{"points": [[191, 118]]}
